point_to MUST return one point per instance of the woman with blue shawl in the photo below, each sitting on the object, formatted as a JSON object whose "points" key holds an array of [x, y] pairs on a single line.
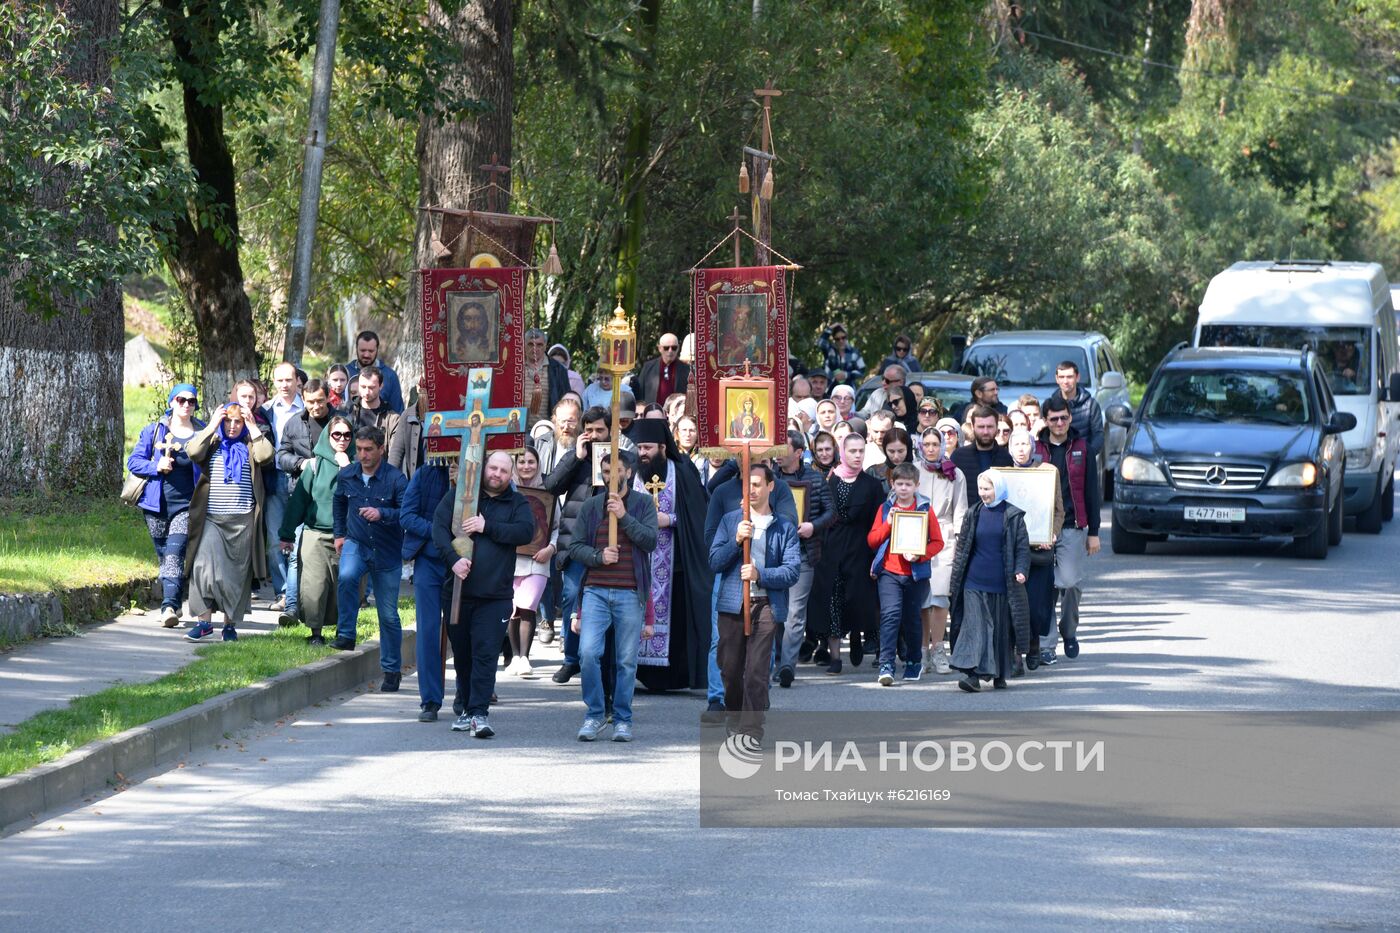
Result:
{"points": [[226, 519]]}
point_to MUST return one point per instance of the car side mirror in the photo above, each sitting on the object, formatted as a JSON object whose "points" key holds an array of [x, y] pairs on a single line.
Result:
{"points": [[1340, 422], [1394, 388], [1112, 380], [1119, 415]]}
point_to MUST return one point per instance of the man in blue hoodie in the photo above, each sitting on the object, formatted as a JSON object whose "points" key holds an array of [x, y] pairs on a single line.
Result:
{"points": [[775, 562], [369, 540]]}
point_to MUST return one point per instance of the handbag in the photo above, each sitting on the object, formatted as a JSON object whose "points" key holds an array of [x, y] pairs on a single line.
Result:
{"points": [[135, 486]]}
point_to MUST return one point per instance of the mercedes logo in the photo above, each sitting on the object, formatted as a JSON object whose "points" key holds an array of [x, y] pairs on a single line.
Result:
{"points": [[1217, 476]]}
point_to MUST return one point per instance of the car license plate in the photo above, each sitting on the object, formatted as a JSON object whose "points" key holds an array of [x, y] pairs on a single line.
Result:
{"points": [[1210, 513]]}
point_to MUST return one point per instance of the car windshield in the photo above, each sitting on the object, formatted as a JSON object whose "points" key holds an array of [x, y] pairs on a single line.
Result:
{"points": [[1344, 352], [1023, 365], [1228, 395]]}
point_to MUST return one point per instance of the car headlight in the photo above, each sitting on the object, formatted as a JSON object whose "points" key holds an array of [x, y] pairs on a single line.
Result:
{"points": [[1359, 459], [1140, 470], [1295, 474]]}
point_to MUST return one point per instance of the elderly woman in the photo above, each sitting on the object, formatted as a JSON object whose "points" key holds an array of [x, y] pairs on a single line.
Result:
{"points": [[311, 505], [226, 517], [1040, 581], [160, 457], [946, 489], [845, 398], [991, 619]]}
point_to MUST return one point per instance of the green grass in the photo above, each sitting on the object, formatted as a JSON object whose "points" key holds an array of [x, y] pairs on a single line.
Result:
{"points": [[221, 668], [54, 544]]}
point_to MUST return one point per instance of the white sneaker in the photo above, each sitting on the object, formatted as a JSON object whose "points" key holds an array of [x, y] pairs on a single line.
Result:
{"points": [[940, 660], [521, 667]]}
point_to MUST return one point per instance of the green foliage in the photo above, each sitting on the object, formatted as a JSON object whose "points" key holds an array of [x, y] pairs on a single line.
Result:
{"points": [[77, 196]]}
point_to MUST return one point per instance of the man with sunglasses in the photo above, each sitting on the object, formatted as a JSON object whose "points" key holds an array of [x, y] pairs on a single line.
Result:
{"points": [[664, 375], [892, 380], [1062, 446]]}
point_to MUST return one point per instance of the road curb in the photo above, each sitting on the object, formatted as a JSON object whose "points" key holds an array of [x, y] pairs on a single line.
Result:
{"points": [[118, 759]]}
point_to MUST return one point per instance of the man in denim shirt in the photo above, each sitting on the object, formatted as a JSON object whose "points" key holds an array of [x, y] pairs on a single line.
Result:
{"points": [[369, 540]]}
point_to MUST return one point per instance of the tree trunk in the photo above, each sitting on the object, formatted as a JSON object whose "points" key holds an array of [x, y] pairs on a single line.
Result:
{"points": [[62, 406], [203, 255], [449, 152]]}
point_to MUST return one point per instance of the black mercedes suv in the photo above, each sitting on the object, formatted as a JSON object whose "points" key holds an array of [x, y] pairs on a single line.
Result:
{"points": [[1232, 442]]}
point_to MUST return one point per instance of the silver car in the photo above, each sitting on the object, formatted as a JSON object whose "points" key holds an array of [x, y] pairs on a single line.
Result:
{"points": [[1024, 361]]}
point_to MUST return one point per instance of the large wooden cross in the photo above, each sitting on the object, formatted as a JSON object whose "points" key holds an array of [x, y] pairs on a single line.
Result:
{"points": [[473, 424]]}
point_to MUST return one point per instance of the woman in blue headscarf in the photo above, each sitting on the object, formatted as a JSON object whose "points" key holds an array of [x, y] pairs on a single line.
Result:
{"points": [[161, 459], [990, 613], [226, 519]]}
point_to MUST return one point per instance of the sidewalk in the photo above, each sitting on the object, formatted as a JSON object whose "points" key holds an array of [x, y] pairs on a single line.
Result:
{"points": [[48, 672]]}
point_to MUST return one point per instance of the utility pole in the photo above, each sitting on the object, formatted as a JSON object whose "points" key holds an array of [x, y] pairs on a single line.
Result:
{"points": [[313, 158]]}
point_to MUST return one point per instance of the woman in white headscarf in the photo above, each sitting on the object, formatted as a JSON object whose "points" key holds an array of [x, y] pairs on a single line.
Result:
{"points": [[1040, 581], [990, 613], [946, 489]]}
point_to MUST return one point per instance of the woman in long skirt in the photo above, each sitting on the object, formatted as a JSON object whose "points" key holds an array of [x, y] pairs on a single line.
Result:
{"points": [[161, 458], [991, 618], [311, 505], [226, 519], [843, 596]]}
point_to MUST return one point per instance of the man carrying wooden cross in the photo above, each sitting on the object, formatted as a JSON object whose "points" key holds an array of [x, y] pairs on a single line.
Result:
{"points": [[484, 583]]}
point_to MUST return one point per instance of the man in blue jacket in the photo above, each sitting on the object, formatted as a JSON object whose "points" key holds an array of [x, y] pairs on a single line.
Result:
{"points": [[725, 490], [369, 539], [775, 562], [503, 521], [420, 502]]}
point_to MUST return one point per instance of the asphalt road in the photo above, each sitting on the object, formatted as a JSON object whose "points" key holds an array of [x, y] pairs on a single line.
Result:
{"points": [[356, 816]]}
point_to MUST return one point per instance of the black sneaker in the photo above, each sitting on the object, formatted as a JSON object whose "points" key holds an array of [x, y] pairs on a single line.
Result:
{"points": [[287, 620], [566, 672], [821, 656], [834, 667], [785, 677], [713, 713], [804, 653], [857, 651], [343, 644], [1033, 660], [1071, 648], [999, 683], [969, 682], [428, 712], [315, 638], [391, 682]]}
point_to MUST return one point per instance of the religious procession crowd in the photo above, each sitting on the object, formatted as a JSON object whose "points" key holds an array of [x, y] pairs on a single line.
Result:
{"points": [[322, 491]]}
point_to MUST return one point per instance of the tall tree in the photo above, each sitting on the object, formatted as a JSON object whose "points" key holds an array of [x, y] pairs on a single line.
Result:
{"points": [[66, 168], [469, 123]]}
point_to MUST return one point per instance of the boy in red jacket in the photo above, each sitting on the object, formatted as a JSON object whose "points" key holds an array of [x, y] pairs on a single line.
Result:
{"points": [[901, 579]]}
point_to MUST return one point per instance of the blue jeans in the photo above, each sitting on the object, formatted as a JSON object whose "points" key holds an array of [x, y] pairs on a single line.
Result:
{"points": [[568, 607], [274, 507], [715, 685], [355, 561], [900, 600], [428, 577], [620, 611]]}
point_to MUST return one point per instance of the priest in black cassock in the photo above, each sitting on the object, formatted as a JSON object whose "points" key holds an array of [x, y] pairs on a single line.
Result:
{"points": [[676, 656]]}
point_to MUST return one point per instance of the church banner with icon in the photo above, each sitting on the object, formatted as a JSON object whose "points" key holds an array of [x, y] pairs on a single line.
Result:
{"points": [[471, 318], [739, 315]]}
